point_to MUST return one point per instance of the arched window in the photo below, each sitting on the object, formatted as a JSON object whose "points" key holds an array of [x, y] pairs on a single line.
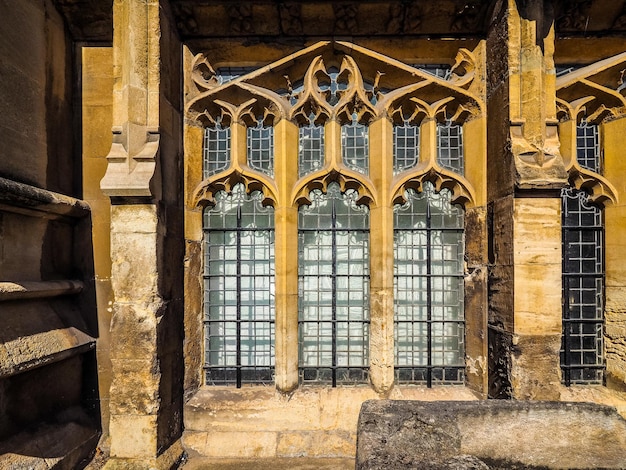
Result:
{"points": [[406, 146], [428, 289], [329, 135], [333, 255], [450, 146], [582, 346], [310, 148], [216, 150], [239, 289]]}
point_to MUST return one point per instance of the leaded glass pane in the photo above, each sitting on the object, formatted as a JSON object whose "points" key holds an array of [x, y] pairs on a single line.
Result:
{"points": [[406, 142], [450, 146], [311, 149], [355, 146], [582, 348], [239, 290], [587, 146], [333, 253], [261, 148], [428, 289], [216, 151]]}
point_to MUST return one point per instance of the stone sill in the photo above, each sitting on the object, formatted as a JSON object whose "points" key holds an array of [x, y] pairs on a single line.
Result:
{"points": [[309, 407]]}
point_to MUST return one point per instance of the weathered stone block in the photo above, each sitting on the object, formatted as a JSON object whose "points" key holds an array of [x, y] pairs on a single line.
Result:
{"points": [[139, 439], [453, 435], [316, 444]]}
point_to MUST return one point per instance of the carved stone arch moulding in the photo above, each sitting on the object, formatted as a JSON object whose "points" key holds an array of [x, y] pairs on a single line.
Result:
{"points": [[332, 80], [600, 190], [596, 93], [304, 187], [204, 194], [461, 190]]}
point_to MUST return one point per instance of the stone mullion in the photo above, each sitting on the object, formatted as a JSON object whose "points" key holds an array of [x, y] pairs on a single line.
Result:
{"points": [[239, 144], [286, 259], [428, 141], [381, 259]]}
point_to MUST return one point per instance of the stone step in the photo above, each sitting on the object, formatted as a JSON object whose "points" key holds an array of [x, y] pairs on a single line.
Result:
{"points": [[198, 463]]}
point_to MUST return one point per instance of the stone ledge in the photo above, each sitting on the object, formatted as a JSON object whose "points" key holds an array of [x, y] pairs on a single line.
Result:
{"points": [[60, 446], [29, 200], [39, 289], [489, 434]]}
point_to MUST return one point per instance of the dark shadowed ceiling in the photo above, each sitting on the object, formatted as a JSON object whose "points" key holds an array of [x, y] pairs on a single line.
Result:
{"points": [[91, 20]]}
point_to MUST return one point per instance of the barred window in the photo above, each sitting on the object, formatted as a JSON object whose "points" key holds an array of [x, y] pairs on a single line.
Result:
{"points": [[587, 146], [239, 290], [261, 148], [311, 149], [450, 146], [355, 146], [406, 142], [333, 270], [582, 347], [216, 150], [428, 289]]}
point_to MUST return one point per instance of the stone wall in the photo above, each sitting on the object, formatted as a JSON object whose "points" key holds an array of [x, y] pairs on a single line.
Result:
{"points": [[49, 408]]}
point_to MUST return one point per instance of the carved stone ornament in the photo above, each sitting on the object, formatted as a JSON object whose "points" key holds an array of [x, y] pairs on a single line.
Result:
{"points": [[333, 87], [595, 93]]}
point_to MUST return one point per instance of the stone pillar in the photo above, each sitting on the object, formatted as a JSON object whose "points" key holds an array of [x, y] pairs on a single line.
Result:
{"points": [[525, 174], [614, 141], [146, 226]]}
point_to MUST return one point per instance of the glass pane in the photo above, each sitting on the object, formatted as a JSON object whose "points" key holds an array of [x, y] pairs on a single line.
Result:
{"points": [[582, 348], [406, 144], [587, 146], [261, 148], [450, 146], [239, 289], [355, 146], [429, 288], [311, 149], [333, 254], [216, 152]]}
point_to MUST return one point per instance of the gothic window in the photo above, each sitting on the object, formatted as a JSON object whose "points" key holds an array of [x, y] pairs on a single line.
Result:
{"points": [[355, 146], [587, 146], [450, 146], [428, 289], [216, 150], [261, 147], [333, 254], [406, 142], [311, 148], [239, 289], [582, 356], [336, 150]]}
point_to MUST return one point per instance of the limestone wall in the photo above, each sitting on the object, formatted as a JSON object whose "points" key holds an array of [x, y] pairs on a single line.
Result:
{"points": [[47, 298]]}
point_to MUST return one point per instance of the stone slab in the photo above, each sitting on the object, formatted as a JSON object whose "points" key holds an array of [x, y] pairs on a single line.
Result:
{"points": [[494, 434]]}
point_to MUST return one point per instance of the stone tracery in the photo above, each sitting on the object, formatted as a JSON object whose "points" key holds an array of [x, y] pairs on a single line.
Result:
{"points": [[595, 94], [341, 83]]}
